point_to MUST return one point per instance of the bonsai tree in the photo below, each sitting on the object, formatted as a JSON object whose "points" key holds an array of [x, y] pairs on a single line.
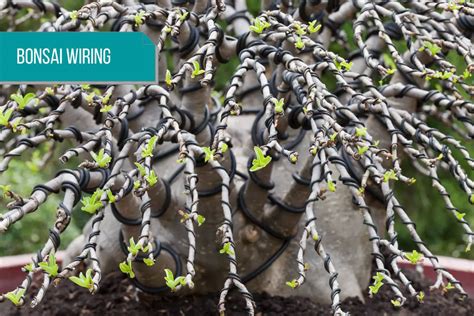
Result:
{"points": [[271, 130]]}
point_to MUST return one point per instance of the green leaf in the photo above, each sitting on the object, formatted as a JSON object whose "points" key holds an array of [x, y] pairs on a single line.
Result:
{"points": [[378, 277], [147, 151], [5, 116], [421, 296], [459, 216], [389, 61], [197, 71], [200, 219], [226, 249], [84, 281], [293, 284], [414, 257], [224, 147], [448, 286], [139, 18], [396, 303], [360, 131], [431, 47], [299, 44], [101, 159], [300, 30], [314, 27], [73, 15], [466, 74], [259, 26], [140, 168], [15, 296], [261, 161], [171, 282], [343, 65], [91, 204], [168, 78], [106, 108], [279, 103], [126, 267], [85, 86], [362, 150], [49, 91], [50, 267], [390, 175], [151, 178], [149, 261], [28, 267], [23, 101], [133, 248], [183, 16], [209, 153], [331, 186], [136, 184]]}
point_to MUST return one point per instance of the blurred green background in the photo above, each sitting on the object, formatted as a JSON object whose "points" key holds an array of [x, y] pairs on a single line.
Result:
{"points": [[436, 226]]}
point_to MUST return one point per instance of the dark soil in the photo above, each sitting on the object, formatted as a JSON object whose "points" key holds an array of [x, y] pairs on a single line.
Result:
{"points": [[118, 297]]}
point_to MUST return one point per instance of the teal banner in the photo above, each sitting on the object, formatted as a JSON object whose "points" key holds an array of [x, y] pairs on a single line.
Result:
{"points": [[77, 57]]}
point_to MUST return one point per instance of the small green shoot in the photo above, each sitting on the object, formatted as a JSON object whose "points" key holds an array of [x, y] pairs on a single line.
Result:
{"points": [[293, 284], [390, 175], [197, 71], [151, 178], [420, 296], [279, 103], [126, 267], [360, 131], [459, 216], [84, 281], [378, 282], [260, 161], [259, 26], [200, 219], [362, 150], [149, 261], [147, 151], [209, 153], [133, 248], [331, 186], [226, 249], [91, 204], [299, 44], [343, 65], [15, 296], [139, 18], [414, 257], [50, 267], [396, 303], [314, 27], [5, 116], [23, 101], [140, 168], [431, 47], [168, 78], [173, 282], [101, 158]]}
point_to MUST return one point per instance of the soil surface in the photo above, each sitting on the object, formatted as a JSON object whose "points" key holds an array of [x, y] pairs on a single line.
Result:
{"points": [[118, 297]]}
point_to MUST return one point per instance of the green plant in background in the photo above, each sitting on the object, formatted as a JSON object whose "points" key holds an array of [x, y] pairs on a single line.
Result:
{"points": [[20, 177]]}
